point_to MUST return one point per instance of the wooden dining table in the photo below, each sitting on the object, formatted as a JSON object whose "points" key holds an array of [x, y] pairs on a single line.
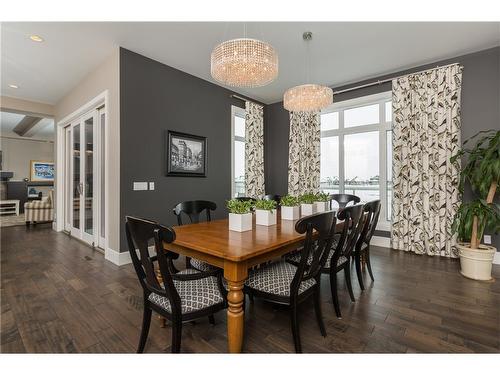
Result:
{"points": [[235, 253]]}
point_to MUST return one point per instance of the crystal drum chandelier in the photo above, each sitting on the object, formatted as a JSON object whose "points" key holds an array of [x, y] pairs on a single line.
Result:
{"points": [[244, 63], [307, 98]]}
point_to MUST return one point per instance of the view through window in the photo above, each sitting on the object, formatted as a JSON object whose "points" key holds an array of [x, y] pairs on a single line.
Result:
{"points": [[356, 149], [238, 152]]}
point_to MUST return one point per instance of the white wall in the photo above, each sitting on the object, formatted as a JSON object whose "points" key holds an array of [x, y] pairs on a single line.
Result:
{"points": [[17, 154]]}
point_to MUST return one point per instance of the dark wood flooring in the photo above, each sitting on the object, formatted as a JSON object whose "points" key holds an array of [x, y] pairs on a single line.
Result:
{"points": [[58, 295]]}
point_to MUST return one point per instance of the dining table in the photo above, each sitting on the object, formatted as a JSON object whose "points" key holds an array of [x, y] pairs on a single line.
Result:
{"points": [[235, 253]]}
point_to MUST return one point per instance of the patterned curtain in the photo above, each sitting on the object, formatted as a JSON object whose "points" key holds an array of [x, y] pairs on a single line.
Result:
{"points": [[254, 150], [426, 133], [303, 153]]}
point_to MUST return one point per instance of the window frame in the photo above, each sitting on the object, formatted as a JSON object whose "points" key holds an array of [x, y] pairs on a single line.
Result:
{"points": [[235, 112], [382, 127]]}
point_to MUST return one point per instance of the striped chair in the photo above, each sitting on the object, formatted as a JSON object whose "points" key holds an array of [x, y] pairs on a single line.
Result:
{"points": [[36, 211]]}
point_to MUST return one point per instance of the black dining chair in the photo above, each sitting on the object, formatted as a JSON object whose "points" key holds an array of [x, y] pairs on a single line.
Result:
{"points": [[362, 250], [273, 197], [184, 296], [193, 210], [344, 199], [290, 285], [340, 253], [244, 199]]}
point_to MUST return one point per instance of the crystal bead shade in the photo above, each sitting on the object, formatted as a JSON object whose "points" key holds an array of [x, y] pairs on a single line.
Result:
{"points": [[307, 98], [244, 63]]}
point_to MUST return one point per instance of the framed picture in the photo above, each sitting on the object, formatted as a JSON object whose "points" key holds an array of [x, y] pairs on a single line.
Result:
{"points": [[186, 155], [41, 170]]}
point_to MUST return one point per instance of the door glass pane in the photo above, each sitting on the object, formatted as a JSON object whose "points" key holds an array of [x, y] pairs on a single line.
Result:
{"points": [[103, 174], [389, 176], [361, 157], [89, 174], [388, 111], [239, 168], [366, 115], [76, 176], [239, 126], [67, 177], [329, 165], [329, 121]]}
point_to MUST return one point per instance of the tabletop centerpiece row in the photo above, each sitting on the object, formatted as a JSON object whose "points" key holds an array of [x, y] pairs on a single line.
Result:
{"points": [[292, 208]]}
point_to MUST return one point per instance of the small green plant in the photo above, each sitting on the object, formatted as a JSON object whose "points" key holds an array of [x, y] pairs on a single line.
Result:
{"points": [[322, 197], [308, 198], [289, 201], [262, 204], [236, 206]]}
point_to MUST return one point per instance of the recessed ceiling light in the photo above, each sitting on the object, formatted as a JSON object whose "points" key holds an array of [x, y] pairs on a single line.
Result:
{"points": [[13, 86], [36, 38]]}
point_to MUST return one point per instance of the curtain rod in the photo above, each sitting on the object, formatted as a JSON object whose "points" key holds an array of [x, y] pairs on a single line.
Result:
{"points": [[244, 99], [380, 82]]}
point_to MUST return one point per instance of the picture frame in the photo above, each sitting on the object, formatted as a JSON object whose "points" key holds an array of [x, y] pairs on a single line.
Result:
{"points": [[41, 170], [185, 155]]}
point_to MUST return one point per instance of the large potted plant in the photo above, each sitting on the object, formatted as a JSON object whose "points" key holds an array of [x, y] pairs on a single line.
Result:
{"points": [[321, 202], [481, 169], [240, 215], [290, 209], [265, 212], [307, 206]]}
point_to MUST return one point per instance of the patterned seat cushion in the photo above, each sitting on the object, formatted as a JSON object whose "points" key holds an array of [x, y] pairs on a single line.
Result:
{"points": [[275, 278], [295, 258], [195, 294], [201, 266]]}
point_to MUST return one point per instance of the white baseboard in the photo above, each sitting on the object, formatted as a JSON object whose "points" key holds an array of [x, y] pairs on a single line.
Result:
{"points": [[120, 259], [496, 259], [381, 241]]}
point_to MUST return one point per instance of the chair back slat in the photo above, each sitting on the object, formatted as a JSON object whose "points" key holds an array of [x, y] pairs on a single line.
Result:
{"points": [[319, 232], [353, 225], [193, 209], [372, 213], [344, 199]]}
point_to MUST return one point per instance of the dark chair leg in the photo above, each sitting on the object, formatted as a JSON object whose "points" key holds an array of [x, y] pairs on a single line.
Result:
{"points": [[368, 264], [188, 262], [335, 297], [211, 319], [146, 322], [317, 309], [176, 336], [250, 297], [295, 329], [357, 260], [347, 274], [27, 223]]}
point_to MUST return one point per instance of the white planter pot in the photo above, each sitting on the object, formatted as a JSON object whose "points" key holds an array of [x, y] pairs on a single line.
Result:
{"points": [[240, 222], [321, 206], [307, 209], [290, 213], [476, 263], [265, 217]]}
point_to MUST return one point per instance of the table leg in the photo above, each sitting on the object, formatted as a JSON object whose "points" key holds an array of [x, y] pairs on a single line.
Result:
{"points": [[235, 275]]}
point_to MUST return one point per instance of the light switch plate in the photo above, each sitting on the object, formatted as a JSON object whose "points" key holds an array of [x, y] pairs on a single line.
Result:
{"points": [[140, 186], [151, 186], [487, 239]]}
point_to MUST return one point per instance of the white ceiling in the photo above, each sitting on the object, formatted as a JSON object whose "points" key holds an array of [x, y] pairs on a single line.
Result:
{"points": [[43, 130], [340, 53]]}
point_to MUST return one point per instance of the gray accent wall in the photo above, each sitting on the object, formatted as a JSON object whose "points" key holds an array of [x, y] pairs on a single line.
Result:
{"points": [[480, 111], [155, 97]]}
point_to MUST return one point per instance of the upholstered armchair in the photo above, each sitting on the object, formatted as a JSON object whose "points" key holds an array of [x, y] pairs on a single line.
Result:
{"points": [[43, 210]]}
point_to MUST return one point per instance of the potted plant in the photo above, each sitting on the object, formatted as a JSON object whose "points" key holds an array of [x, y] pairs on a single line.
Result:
{"points": [[307, 206], [290, 209], [240, 215], [481, 170], [265, 212], [321, 202]]}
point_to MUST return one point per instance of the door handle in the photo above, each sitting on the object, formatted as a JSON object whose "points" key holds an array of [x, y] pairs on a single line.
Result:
{"points": [[80, 188]]}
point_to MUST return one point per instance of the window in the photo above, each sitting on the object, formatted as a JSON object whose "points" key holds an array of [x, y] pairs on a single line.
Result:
{"points": [[356, 150], [238, 151]]}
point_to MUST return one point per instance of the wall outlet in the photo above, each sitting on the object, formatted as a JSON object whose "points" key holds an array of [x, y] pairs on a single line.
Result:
{"points": [[140, 186], [151, 186], [487, 239]]}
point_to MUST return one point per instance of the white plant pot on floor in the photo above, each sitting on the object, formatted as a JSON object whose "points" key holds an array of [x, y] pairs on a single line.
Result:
{"points": [[321, 206], [290, 213], [476, 263], [240, 222], [307, 209], [265, 217]]}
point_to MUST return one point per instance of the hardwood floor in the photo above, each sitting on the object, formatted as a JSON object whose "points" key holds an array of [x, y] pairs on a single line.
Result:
{"points": [[58, 295]]}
